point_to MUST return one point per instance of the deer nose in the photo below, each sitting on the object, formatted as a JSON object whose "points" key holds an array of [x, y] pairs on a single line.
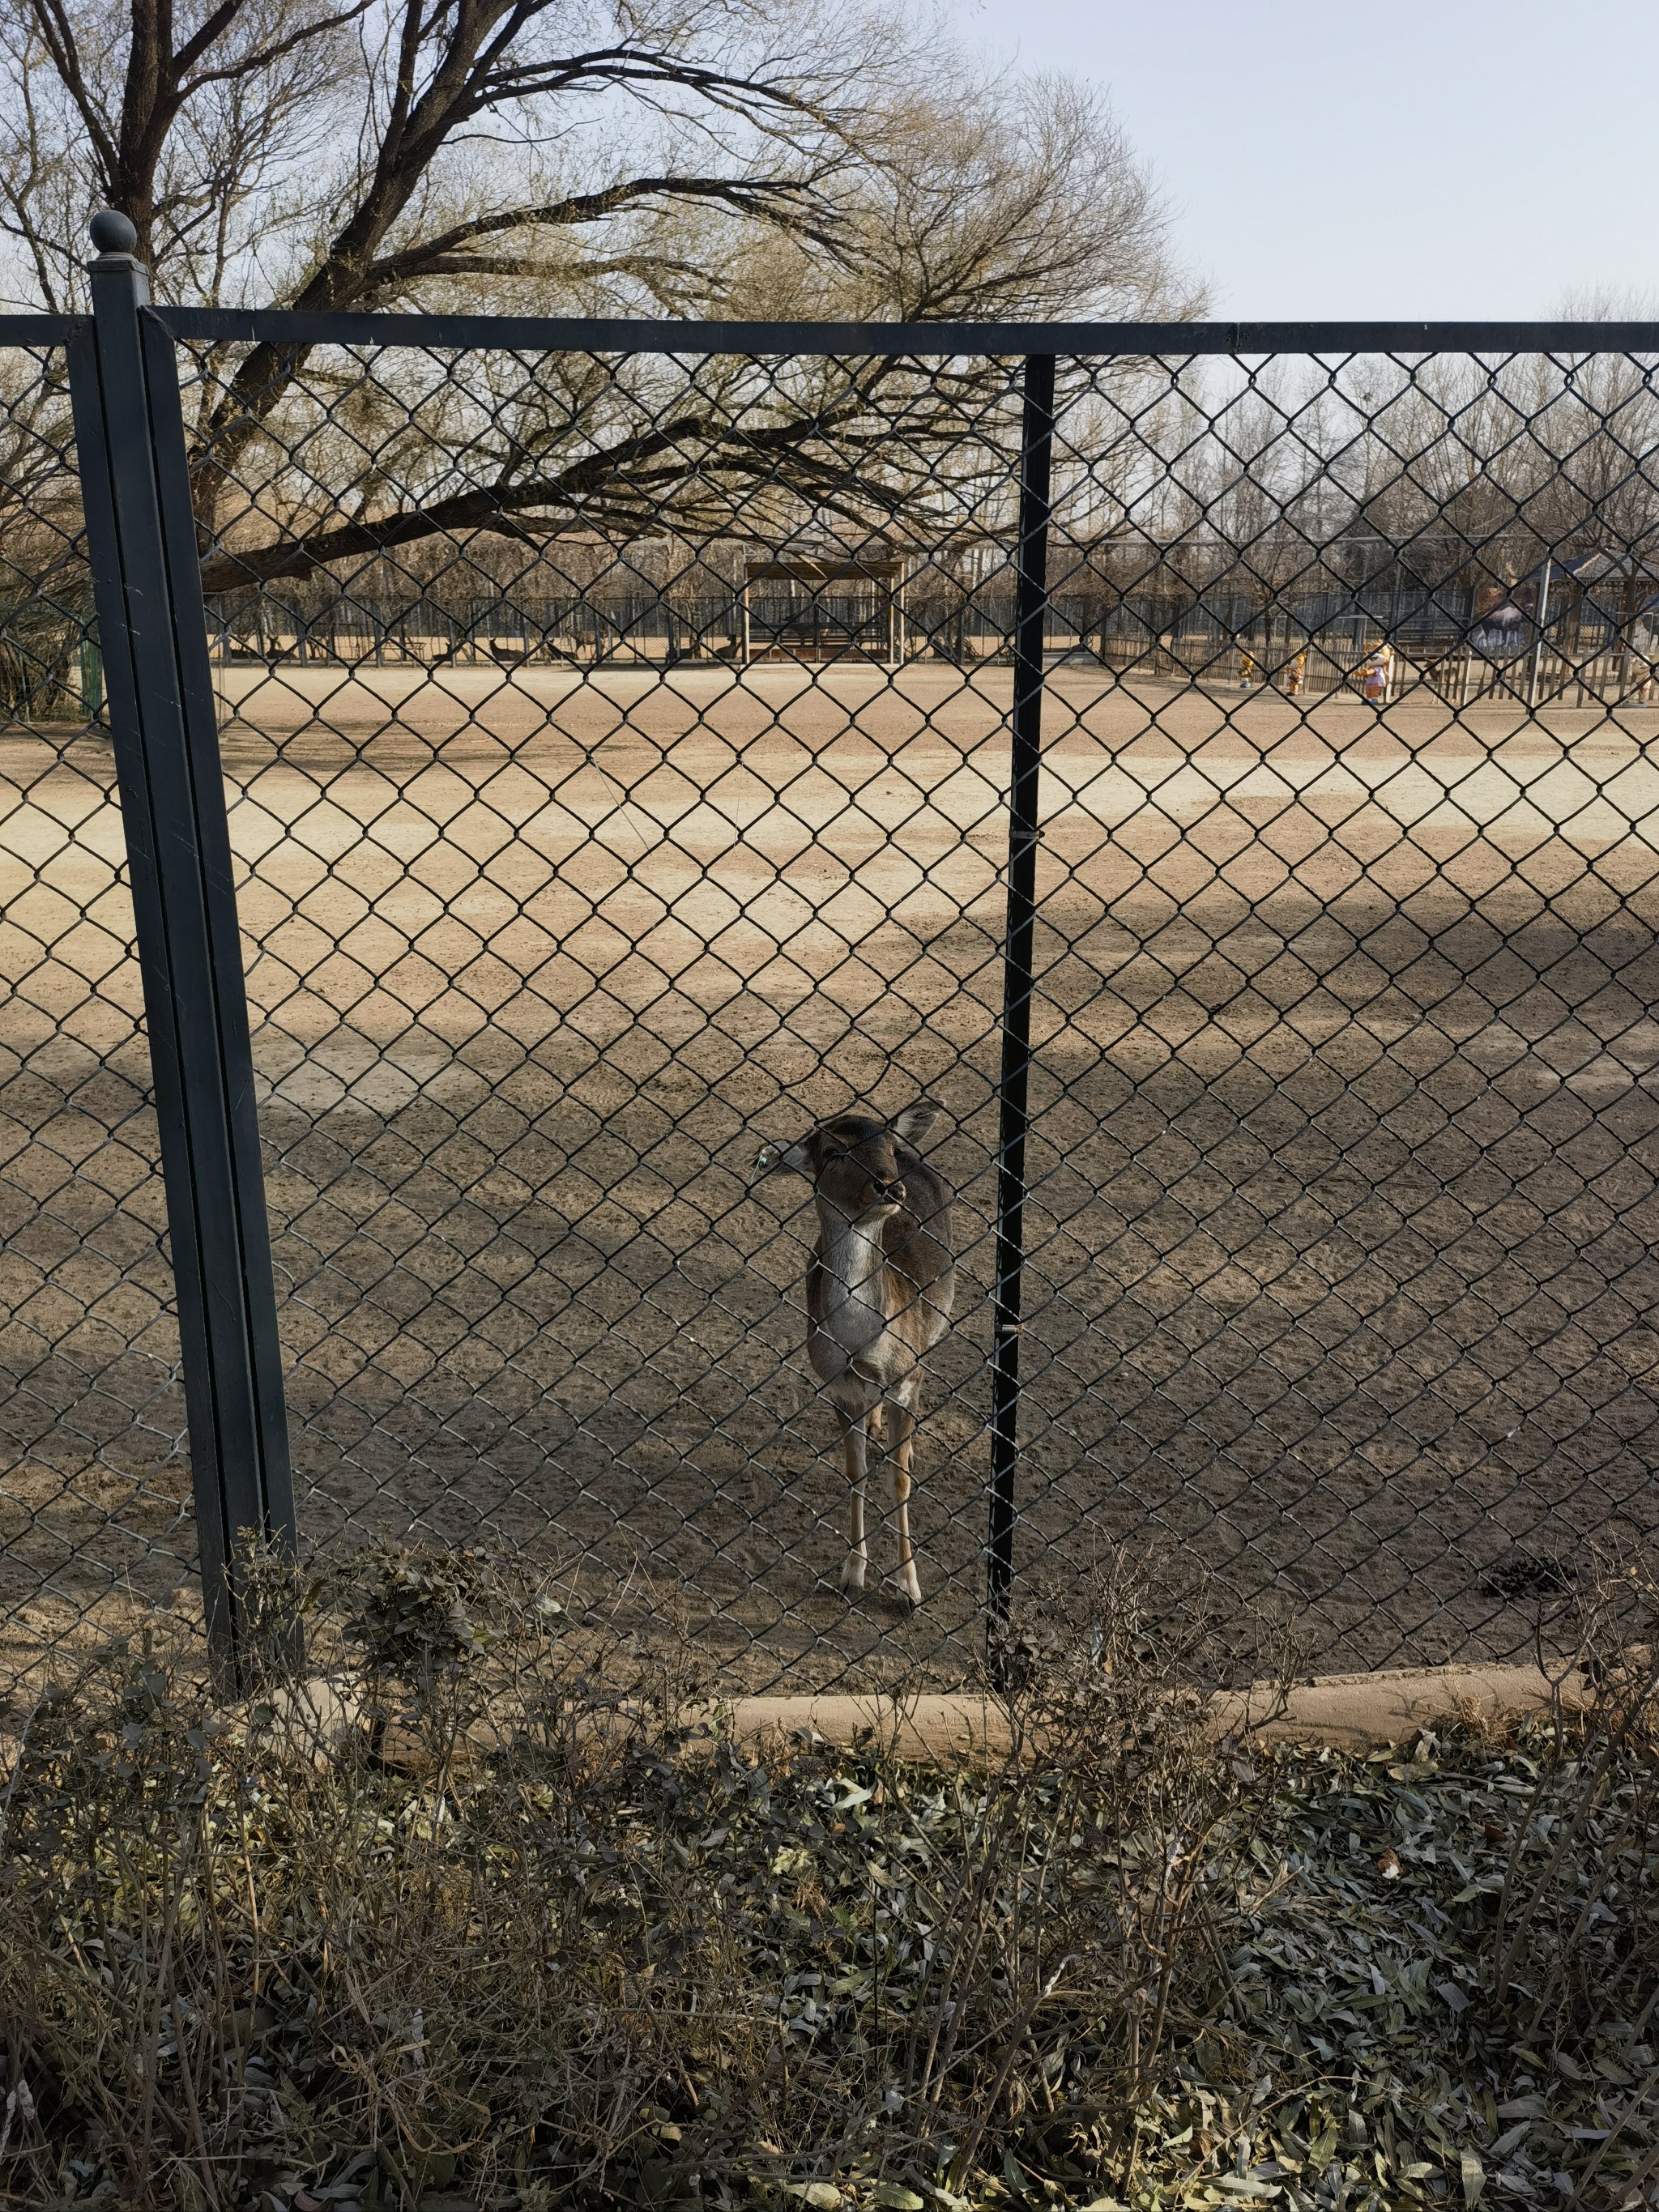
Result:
{"points": [[894, 1190]]}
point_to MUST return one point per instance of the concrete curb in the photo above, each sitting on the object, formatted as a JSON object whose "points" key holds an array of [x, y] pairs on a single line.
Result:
{"points": [[1350, 1712]]}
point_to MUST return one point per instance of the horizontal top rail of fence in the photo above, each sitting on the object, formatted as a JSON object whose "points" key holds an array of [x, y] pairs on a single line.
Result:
{"points": [[1074, 341]]}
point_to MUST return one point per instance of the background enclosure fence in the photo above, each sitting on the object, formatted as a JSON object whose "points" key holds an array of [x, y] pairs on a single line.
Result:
{"points": [[1213, 766]]}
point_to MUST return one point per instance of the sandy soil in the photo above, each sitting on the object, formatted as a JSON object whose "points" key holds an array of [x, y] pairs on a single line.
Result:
{"points": [[1340, 1272]]}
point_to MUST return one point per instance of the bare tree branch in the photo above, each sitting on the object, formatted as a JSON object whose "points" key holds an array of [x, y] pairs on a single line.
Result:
{"points": [[785, 201]]}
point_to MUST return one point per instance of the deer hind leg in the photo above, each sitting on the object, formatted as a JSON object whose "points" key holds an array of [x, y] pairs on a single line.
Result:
{"points": [[900, 1436], [855, 1449]]}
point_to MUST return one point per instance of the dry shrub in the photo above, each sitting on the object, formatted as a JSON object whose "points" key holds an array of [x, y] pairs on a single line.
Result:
{"points": [[488, 1909], [500, 1907], [1573, 1957]]}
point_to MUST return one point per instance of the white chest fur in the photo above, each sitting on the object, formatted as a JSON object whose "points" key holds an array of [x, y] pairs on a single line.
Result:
{"points": [[855, 1292], [853, 1324]]}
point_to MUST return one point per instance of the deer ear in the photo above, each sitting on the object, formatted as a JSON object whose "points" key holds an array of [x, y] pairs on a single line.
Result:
{"points": [[774, 1159], [913, 1123]]}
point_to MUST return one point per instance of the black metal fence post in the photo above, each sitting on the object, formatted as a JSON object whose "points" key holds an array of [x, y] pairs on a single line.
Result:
{"points": [[141, 540], [1030, 609]]}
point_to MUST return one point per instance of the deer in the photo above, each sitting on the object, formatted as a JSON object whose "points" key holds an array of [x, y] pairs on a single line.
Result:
{"points": [[880, 1287]]}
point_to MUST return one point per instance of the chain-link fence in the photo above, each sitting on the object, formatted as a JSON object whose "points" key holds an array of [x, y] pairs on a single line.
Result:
{"points": [[1216, 778], [94, 1475]]}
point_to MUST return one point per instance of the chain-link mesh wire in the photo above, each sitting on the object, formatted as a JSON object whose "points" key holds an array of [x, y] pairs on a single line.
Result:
{"points": [[1345, 1144], [94, 1485], [618, 749]]}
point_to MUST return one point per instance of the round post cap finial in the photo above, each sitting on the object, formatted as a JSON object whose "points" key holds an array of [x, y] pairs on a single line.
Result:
{"points": [[111, 232]]}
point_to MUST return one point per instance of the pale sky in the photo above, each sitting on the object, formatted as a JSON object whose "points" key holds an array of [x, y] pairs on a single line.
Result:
{"points": [[1445, 158]]}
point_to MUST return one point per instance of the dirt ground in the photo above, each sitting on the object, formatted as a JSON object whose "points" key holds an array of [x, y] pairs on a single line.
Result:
{"points": [[1340, 1275]]}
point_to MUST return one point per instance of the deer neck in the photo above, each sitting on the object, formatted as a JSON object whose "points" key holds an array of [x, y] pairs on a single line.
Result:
{"points": [[855, 1285]]}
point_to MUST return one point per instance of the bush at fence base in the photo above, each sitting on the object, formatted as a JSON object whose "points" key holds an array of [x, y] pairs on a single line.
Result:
{"points": [[587, 1969]]}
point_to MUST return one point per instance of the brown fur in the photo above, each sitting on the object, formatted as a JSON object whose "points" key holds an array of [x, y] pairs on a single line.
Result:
{"points": [[878, 1291]]}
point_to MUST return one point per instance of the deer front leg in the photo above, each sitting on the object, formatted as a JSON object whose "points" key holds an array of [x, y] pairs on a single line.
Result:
{"points": [[902, 1432], [855, 1449]]}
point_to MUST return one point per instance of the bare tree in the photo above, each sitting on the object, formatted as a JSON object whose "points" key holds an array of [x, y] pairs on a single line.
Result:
{"points": [[335, 154], [750, 157]]}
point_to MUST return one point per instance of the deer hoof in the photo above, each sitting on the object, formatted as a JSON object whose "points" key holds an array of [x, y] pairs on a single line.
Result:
{"points": [[853, 1574], [910, 1589]]}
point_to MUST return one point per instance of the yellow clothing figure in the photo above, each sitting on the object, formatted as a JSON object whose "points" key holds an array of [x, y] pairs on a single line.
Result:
{"points": [[1295, 671], [1375, 671], [1249, 671]]}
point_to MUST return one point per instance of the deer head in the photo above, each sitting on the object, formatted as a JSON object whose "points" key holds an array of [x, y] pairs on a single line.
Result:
{"points": [[852, 1161]]}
